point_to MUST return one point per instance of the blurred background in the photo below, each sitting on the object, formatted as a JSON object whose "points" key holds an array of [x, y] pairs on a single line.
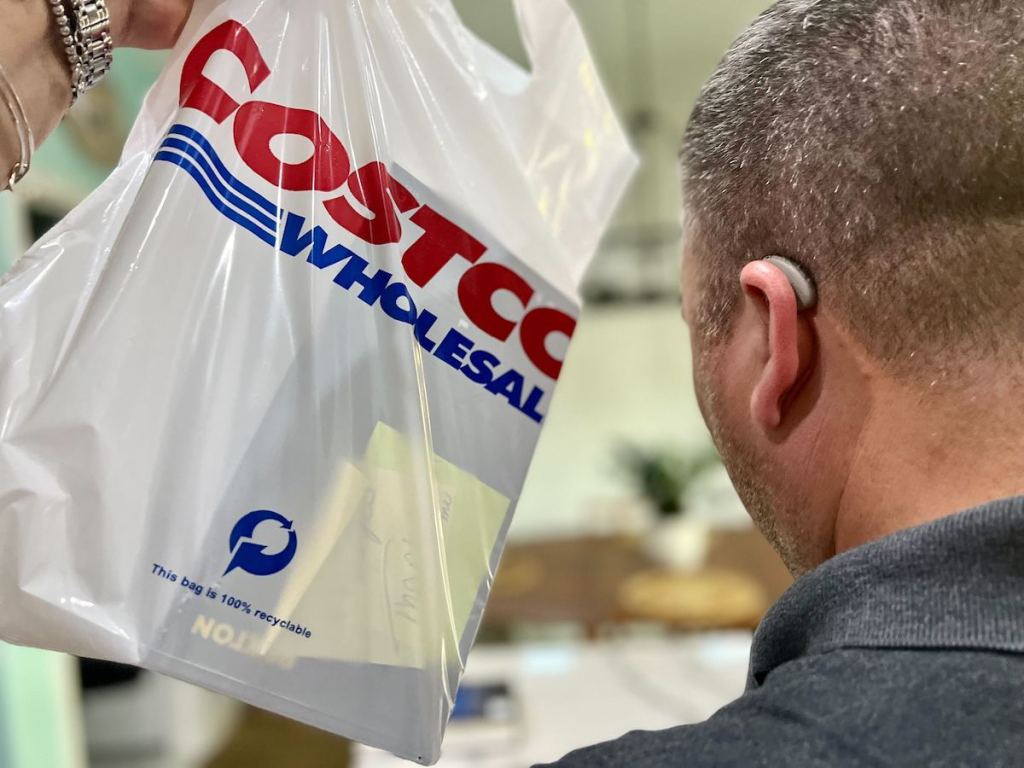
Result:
{"points": [[632, 582]]}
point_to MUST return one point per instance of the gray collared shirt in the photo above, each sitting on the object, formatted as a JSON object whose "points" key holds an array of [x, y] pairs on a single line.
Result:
{"points": [[908, 651]]}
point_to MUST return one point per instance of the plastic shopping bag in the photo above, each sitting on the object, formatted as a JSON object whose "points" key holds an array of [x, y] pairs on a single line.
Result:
{"points": [[270, 394]]}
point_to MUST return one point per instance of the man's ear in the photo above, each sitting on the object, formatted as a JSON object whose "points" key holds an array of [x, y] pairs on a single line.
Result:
{"points": [[787, 342]]}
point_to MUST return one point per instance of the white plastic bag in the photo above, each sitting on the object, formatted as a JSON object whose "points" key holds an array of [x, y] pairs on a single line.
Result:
{"points": [[269, 395]]}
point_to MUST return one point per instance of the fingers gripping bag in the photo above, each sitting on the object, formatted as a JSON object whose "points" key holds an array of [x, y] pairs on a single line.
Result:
{"points": [[270, 394]]}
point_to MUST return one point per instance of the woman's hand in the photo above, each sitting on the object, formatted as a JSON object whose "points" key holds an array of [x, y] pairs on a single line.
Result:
{"points": [[36, 65], [152, 24]]}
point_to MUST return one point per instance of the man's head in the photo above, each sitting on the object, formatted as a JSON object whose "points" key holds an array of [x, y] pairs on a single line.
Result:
{"points": [[879, 144]]}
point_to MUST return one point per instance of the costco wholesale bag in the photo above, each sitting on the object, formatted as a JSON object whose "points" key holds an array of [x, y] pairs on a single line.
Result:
{"points": [[270, 394]]}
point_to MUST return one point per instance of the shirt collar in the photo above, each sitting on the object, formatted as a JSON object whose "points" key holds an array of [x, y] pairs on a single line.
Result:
{"points": [[955, 583]]}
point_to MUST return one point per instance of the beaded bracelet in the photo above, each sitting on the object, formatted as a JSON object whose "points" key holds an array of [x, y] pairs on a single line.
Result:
{"points": [[26, 139]]}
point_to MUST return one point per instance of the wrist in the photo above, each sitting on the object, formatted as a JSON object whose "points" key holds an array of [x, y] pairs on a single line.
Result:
{"points": [[120, 21], [35, 62]]}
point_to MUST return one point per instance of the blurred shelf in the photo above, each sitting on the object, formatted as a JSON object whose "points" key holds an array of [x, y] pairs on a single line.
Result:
{"points": [[581, 580]]}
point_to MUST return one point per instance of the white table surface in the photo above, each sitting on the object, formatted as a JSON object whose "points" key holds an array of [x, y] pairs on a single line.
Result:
{"points": [[575, 694]]}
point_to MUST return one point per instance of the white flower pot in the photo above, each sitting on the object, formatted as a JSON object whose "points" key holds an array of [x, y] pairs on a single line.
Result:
{"points": [[678, 543]]}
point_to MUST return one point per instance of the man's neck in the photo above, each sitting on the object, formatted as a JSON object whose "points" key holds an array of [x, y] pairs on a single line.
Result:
{"points": [[922, 456]]}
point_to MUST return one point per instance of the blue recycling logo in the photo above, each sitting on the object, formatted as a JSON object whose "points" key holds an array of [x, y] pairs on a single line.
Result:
{"points": [[251, 556]]}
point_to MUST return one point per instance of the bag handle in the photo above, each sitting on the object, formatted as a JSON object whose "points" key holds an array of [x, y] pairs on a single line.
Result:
{"points": [[559, 118], [549, 29], [578, 157]]}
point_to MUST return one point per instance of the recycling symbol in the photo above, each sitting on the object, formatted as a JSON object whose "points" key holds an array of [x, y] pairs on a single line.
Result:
{"points": [[249, 555]]}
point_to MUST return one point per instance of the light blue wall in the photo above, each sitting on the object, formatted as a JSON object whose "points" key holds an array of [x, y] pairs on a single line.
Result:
{"points": [[40, 723]]}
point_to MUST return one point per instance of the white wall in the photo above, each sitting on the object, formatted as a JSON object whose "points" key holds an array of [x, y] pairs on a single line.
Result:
{"points": [[627, 379]]}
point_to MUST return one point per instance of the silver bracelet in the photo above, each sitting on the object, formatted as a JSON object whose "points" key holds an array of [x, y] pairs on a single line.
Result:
{"points": [[84, 29], [26, 139]]}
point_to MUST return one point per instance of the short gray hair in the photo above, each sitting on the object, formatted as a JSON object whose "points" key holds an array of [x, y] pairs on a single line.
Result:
{"points": [[881, 144]]}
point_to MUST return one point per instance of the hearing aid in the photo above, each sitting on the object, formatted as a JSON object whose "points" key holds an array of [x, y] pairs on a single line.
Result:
{"points": [[803, 285]]}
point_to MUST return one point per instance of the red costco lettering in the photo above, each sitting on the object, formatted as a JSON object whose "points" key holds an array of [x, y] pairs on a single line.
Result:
{"points": [[378, 192], [441, 242], [199, 92], [537, 327], [476, 294], [258, 122], [383, 199]]}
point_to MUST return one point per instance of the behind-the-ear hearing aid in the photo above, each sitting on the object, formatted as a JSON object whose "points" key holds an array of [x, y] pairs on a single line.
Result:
{"points": [[803, 284]]}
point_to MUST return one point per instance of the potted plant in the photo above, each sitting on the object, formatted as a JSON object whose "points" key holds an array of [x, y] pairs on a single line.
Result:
{"points": [[663, 479]]}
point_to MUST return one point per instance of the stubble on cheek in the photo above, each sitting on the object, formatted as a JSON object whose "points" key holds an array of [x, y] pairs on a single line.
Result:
{"points": [[750, 475]]}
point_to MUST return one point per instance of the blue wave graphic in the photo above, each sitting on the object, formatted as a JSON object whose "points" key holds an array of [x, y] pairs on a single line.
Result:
{"points": [[189, 150]]}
